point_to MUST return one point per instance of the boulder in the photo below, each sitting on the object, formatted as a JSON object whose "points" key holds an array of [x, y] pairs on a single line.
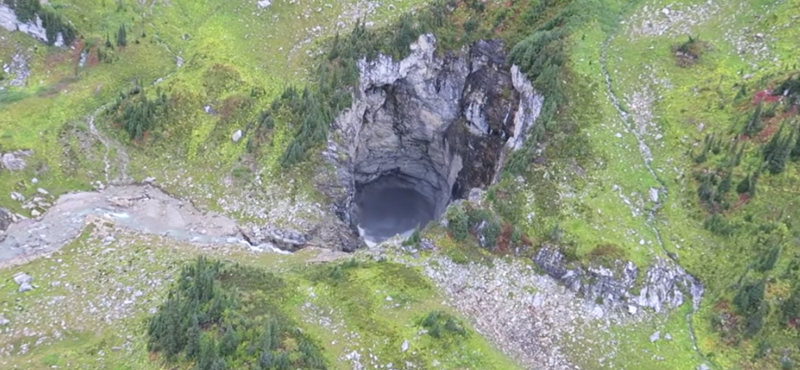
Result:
{"points": [[22, 278], [285, 239], [15, 161], [5, 219], [236, 136]]}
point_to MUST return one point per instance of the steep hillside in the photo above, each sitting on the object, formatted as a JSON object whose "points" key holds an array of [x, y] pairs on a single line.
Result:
{"points": [[193, 184]]}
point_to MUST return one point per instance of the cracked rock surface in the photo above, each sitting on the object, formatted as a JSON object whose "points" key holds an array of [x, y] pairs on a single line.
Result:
{"points": [[435, 124]]}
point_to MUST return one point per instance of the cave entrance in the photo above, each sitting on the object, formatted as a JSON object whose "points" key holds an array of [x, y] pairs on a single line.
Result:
{"points": [[424, 132], [391, 205]]}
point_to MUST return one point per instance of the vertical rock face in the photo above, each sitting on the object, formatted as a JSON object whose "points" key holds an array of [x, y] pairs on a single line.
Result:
{"points": [[9, 21], [435, 124]]}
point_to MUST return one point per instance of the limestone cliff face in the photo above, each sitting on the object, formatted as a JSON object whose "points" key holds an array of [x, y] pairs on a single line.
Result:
{"points": [[435, 123], [9, 21]]}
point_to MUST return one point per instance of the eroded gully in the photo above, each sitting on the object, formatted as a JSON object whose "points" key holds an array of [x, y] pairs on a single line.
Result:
{"points": [[651, 219]]}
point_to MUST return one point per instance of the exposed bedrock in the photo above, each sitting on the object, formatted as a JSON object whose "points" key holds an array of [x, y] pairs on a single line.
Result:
{"points": [[423, 131], [663, 286]]}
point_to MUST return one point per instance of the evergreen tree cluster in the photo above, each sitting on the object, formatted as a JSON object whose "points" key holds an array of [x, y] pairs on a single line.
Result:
{"points": [[468, 222], [778, 150], [543, 57], [485, 226], [458, 223], [137, 113], [755, 124], [749, 303], [713, 186], [208, 323], [313, 110], [441, 325], [790, 309], [53, 23]]}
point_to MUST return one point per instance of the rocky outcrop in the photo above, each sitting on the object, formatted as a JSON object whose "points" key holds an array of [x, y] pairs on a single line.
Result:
{"points": [[663, 286], [5, 222], [288, 240], [530, 106], [437, 124], [14, 161], [35, 29]]}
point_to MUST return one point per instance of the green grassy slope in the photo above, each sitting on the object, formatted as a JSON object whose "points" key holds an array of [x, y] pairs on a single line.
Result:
{"points": [[592, 184], [261, 50], [672, 107], [104, 293]]}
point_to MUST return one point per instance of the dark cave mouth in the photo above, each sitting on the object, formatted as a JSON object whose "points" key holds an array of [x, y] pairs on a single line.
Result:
{"points": [[393, 205]]}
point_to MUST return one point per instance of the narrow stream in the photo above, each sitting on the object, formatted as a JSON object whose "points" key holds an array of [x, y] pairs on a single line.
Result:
{"points": [[697, 288]]}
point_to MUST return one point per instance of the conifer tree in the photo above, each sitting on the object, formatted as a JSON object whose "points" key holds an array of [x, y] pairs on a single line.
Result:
{"points": [[265, 360], [725, 184], [229, 342], [122, 36], [777, 151], [754, 124], [795, 155], [744, 186], [193, 338]]}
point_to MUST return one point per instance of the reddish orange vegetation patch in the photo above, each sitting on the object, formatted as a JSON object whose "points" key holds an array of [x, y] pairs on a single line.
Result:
{"points": [[504, 240], [92, 59], [725, 322], [743, 199], [765, 96], [772, 124], [76, 51], [56, 58], [233, 105]]}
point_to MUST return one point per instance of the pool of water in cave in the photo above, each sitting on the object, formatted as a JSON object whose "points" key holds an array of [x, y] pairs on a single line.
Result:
{"points": [[386, 209]]}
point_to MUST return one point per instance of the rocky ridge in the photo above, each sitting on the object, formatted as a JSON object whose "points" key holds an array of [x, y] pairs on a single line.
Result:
{"points": [[663, 285]]}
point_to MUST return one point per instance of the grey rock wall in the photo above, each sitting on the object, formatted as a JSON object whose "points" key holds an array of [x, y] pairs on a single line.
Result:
{"points": [[9, 21], [438, 122]]}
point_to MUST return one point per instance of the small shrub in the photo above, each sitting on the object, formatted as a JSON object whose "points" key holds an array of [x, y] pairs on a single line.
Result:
{"points": [[412, 240], [689, 52], [458, 223], [606, 254], [441, 325], [491, 234], [717, 224]]}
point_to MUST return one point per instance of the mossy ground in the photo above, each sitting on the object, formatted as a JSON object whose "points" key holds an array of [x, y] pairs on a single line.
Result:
{"points": [[95, 316], [593, 184], [264, 49], [599, 180]]}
